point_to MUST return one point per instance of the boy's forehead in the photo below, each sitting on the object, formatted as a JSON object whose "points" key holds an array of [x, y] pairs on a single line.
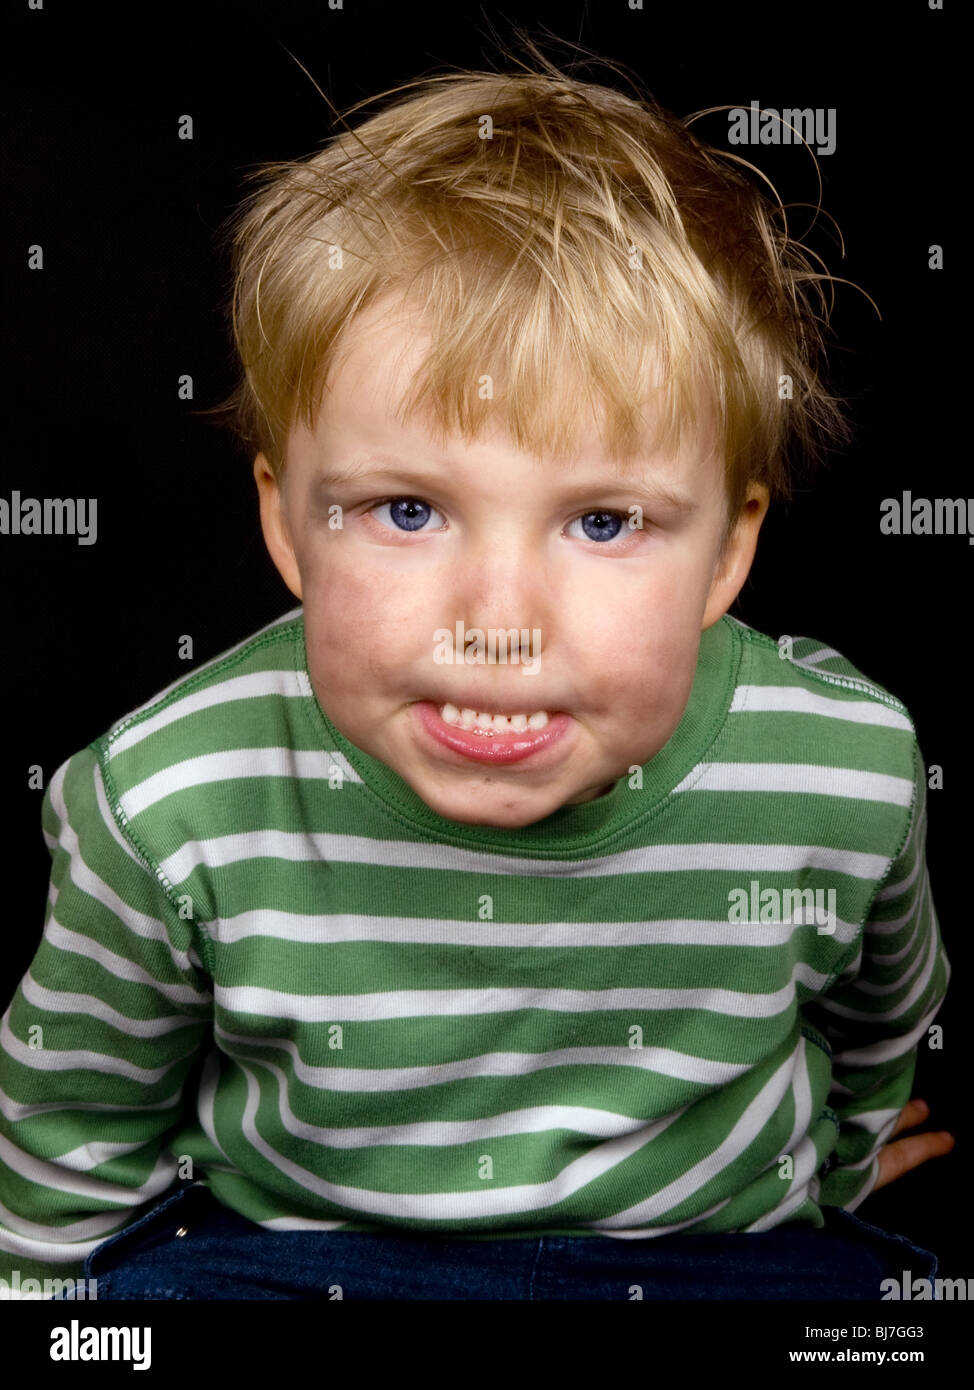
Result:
{"points": [[376, 360]]}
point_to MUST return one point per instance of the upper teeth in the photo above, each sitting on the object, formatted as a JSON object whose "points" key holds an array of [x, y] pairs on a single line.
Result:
{"points": [[493, 723]]}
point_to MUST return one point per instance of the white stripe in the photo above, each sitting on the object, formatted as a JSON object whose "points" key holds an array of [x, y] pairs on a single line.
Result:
{"points": [[867, 1186], [793, 699], [50, 1173], [91, 1154], [108, 819], [657, 1229], [805, 1165], [69, 1250], [887, 1048], [65, 834], [805, 778], [801, 1095], [448, 1003], [452, 1206], [920, 920], [83, 878], [845, 681], [534, 1119], [877, 991], [419, 854], [235, 763], [68, 1059], [814, 660], [16, 1110], [206, 1095], [873, 928], [59, 936], [798, 1195], [683, 1066], [875, 1121], [746, 1129], [258, 684], [64, 1002], [930, 958], [896, 890], [299, 1223], [800, 1147], [328, 928], [525, 1197], [814, 657]]}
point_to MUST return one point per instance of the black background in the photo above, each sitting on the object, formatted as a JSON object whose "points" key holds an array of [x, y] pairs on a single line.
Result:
{"points": [[131, 297]]}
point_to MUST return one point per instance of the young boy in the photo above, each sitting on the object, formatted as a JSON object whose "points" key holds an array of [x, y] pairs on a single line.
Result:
{"points": [[507, 920]]}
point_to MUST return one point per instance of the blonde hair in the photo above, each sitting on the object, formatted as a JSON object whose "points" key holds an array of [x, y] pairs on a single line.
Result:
{"points": [[591, 252]]}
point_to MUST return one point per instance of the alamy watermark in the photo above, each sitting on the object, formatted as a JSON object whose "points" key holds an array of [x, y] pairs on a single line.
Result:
{"points": [[923, 516], [757, 125], [18, 1288], [77, 1343], [756, 906], [476, 646], [923, 1290], [50, 516]]}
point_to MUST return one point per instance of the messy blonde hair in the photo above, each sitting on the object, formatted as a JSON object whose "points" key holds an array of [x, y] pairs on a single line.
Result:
{"points": [[590, 253]]}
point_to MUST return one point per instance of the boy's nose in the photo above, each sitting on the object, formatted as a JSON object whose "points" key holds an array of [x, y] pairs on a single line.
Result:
{"points": [[502, 589]]}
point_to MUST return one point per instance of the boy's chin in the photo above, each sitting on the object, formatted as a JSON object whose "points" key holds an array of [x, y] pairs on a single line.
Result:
{"points": [[501, 808], [500, 820], [589, 796]]}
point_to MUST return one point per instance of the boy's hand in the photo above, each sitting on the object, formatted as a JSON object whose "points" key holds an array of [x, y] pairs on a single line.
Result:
{"points": [[897, 1159]]}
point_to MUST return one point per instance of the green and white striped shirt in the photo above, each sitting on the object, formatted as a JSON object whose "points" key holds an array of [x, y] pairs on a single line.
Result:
{"points": [[268, 965]]}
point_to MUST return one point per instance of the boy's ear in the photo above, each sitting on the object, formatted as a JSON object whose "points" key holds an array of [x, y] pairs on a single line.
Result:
{"points": [[734, 567], [274, 526]]}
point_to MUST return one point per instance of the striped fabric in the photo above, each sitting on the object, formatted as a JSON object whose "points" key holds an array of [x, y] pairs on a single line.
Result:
{"points": [[693, 1004]]}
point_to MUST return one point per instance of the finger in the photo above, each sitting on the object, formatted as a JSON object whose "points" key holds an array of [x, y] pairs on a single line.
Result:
{"points": [[913, 1113], [906, 1154]]}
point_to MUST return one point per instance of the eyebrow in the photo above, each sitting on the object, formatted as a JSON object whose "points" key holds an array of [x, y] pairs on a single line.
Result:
{"points": [[646, 489]]}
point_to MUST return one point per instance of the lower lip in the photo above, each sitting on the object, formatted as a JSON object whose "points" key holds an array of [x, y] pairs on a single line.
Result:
{"points": [[491, 748]]}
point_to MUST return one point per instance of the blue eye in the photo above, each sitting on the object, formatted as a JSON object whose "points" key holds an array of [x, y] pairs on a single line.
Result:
{"points": [[600, 526], [412, 514], [407, 513]]}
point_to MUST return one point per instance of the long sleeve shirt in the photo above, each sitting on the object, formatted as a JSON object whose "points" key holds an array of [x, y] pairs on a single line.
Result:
{"points": [[692, 1004]]}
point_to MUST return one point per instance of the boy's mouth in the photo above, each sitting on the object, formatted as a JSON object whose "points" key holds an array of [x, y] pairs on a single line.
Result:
{"points": [[490, 736], [488, 722]]}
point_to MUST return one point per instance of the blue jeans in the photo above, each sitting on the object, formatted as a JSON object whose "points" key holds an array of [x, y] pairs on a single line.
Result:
{"points": [[189, 1246]]}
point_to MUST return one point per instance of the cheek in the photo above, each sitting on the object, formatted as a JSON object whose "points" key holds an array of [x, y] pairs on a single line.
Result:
{"points": [[359, 624], [640, 628], [647, 675]]}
